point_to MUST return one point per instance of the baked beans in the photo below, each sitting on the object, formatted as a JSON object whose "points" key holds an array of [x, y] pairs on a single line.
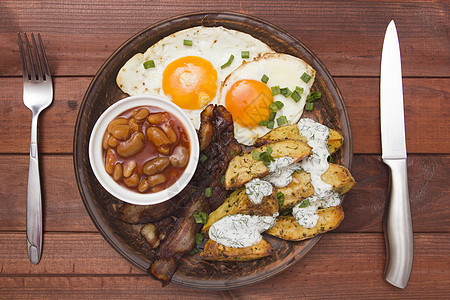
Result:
{"points": [[146, 149]]}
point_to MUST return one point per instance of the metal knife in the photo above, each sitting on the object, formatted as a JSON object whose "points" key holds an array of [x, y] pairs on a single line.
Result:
{"points": [[398, 231]]}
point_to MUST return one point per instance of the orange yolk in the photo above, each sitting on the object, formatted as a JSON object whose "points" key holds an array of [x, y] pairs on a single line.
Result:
{"points": [[248, 102], [190, 81]]}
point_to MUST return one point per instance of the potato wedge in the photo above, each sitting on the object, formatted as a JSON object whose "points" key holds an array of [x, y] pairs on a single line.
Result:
{"points": [[244, 168], [339, 177], [300, 188], [287, 228], [335, 139], [239, 203], [286, 132], [218, 252]]}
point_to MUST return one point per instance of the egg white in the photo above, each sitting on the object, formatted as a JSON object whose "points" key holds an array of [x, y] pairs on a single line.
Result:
{"points": [[214, 44], [283, 70]]}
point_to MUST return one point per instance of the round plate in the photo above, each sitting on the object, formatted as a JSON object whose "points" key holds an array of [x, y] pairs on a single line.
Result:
{"points": [[126, 239]]}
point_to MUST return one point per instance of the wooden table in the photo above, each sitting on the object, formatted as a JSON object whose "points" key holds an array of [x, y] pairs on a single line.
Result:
{"points": [[346, 35]]}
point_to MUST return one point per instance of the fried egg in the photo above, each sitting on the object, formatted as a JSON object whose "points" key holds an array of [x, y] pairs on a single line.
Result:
{"points": [[189, 66], [249, 99]]}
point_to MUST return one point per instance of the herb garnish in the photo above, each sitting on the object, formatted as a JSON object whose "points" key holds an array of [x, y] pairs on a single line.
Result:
{"points": [[280, 197], [201, 217], [265, 157]]}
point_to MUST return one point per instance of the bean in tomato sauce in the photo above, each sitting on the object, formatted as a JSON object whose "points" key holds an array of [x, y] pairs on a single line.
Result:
{"points": [[146, 149]]}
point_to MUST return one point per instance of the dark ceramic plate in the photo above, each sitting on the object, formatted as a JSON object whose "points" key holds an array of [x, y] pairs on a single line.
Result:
{"points": [[192, 271]]}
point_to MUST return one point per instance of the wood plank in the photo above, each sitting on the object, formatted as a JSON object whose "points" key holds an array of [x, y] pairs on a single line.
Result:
{"points": [[63, 209], [355, 27], [56, 123], [83, 265], [426, 108], [63, 254], [364, 206], [426, 127]]}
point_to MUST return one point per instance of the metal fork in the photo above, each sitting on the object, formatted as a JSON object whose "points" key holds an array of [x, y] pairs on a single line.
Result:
{"points": [[37, 95]]}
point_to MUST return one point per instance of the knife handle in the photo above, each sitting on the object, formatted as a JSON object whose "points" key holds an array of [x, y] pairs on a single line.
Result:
{"points": [[399, 226]]}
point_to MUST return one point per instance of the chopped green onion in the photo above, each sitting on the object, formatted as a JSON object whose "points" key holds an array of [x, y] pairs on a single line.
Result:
{"points": [[201, 217], [286, 212], [198, 218], [193, 251], [256, 154], [280, 198], [204, 217], [276, 106], [266, 160], [187, 42], [245, 54], [149, 64], [279, 104], [263, 123], [230, 60], [272, 116], [305, 77], [265, 157], [313, 96], [298, 171], [265, 78], [208, 192], [203, 158], [275, 90], [281, 121], [330, 159], [286, 92], [296, 96], [309, 106], [270, 124], [222, 180], [305, 203], [299, 90], [199, 238], [273, 107], [231, 153]]}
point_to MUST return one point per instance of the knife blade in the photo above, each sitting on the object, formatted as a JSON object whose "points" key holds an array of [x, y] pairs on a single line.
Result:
{"points": [[398, 231]]}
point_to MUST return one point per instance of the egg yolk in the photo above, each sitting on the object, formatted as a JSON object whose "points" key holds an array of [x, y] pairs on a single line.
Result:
{"points": [[190, 81], [248, 102]]}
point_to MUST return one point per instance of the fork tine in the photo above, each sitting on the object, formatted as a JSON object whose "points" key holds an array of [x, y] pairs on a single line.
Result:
{"points": [[38, 59], [44, 56], [24, 59], [30, 57]]}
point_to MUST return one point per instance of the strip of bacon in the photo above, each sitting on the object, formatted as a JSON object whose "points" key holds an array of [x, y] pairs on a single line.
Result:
{"points": [[217, 141]]}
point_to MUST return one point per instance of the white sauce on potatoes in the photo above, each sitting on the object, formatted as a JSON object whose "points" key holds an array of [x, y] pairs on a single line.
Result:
{"points": [[243, 230], [257, 189], [315, 164], [239, 230], [281, 171], [280, 176]]}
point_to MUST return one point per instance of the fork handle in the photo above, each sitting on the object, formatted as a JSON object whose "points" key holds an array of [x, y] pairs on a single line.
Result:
{"points": [[34, 200]]}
